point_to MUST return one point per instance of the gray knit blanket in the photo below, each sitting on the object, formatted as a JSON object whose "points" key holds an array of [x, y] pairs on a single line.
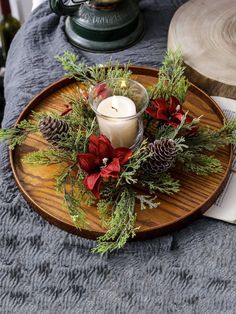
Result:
{"points": [[44, 270]]}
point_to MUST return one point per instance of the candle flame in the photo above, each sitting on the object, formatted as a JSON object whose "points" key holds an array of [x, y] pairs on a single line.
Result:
{"points": [[123, 84]]}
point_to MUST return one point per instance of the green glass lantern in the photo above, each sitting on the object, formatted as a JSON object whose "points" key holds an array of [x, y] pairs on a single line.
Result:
{"points": [[101, 25]]}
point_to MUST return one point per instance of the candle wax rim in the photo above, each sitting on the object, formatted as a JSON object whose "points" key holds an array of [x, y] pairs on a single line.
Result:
{"points": [[103, 115]]}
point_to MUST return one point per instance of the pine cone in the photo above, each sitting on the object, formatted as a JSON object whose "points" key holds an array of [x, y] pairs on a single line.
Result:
{"points": [[52, 129], [164, 154]]}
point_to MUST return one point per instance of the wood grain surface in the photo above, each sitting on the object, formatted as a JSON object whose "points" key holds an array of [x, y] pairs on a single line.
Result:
{"points": [[196, 195], [206, 33]]}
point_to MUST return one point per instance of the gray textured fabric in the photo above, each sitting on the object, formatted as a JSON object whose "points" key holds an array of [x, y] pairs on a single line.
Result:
{"points": [[46, 270]]}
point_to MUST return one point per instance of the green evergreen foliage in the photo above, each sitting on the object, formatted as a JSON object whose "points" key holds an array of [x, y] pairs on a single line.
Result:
{"points": [[76, 212], [92, 74], [198, 163], [129, 173], [39, 115], [164, 183], [81, 114], [17, 135], [47, 157], [121, 226], [171, 79], [147, 201], [211, 140], [104, 209]]}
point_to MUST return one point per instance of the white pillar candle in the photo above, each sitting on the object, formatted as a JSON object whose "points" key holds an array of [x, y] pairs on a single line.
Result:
{"points": [[121, 132]]}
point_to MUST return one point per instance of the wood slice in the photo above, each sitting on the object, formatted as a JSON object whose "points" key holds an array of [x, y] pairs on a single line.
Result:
{"points": [[197, 193], [206, 33]]}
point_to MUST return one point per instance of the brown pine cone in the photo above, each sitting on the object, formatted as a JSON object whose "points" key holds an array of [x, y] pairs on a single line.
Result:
{"points": [[163, 157], [52, 129]]}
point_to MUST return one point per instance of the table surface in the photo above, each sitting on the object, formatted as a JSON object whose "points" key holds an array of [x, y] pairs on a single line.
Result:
{"points": [[46, 270]]}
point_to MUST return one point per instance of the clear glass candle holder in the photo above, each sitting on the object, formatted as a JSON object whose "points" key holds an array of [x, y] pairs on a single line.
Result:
{"points": [[119, 105]]}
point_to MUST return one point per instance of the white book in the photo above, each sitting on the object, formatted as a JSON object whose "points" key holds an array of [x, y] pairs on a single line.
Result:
{"points": [[36, 3], [225, 206]]}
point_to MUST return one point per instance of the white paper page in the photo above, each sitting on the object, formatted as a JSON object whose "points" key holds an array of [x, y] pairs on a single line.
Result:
{"points": [[36, 3], [225, 206]]}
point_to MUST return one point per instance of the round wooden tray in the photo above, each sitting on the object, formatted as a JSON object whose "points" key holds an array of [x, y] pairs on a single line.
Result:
{"points": [[197, 193]]}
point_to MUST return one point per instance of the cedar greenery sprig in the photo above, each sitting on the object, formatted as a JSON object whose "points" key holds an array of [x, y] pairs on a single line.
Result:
{"points": [[147, 201], [17, 135], [76, 139], [36, 116], [171, 79], [47, 157], [104, 208], [92, 74], [75, 194], [121, 227], [81, 114], [199, 163], [208, 139], [129, 173], [164, 183], [73, 198]]}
